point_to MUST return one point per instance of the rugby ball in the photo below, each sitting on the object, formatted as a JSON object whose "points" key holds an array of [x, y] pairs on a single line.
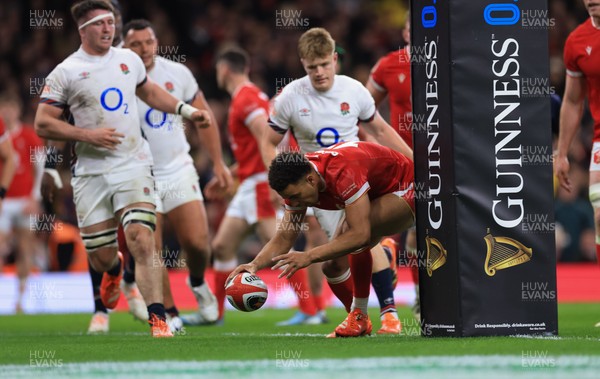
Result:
{"points": [[246, 292]]}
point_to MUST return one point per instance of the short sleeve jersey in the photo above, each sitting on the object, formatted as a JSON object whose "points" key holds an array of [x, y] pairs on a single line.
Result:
{"points": [[247, 102], [165, 131], [27, 146], [391, 75], [582, 59], [100, 91], [353, 169], [321, 119]]}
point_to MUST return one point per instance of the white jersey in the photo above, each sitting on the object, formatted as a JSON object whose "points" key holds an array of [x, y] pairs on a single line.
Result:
{"points": [[99, 91], [165, 132], [320, 119]]}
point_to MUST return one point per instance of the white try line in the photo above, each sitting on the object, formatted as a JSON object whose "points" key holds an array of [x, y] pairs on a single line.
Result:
{"points": [[291, 365]]}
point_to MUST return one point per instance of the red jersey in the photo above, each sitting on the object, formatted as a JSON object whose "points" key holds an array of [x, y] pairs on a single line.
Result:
{"points": [[391, 74], [351, 169], [3, 134], [582, 59], [26, 145], [247, 102]]}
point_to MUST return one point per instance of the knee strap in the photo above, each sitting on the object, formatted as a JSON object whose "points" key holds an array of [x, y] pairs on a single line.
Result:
{"points": [[97, 240], [143, 216]]}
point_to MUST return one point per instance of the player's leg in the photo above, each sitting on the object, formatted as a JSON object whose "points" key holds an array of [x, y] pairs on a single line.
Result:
{"points": [[100, 320], [135, 301], [100, 242], [8, 214], [134, 201], [382, 279], [594, 194], [337, 271], [190, 223], [24, 259], [172, 313], [229, 236], [390, 214]]}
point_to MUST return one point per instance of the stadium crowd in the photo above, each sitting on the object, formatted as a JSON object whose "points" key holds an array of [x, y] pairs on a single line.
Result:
{"points": [[35, 35]]}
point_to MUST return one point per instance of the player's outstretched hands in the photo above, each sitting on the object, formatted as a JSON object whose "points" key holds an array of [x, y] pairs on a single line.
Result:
{"points": [[105, 137], [248, 267], [290, 263], [201, 118], [561, 170]]}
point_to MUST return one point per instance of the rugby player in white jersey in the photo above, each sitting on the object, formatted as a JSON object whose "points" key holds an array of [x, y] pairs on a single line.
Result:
{"points": [[112, 179], [322, 109], [178, 190]]}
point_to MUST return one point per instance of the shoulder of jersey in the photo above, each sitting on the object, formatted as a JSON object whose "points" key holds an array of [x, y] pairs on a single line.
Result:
{"points": [[348, 81], [583, 29], [168, 64]]}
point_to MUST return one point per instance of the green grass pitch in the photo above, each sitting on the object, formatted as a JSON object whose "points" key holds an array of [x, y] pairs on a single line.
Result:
{"points": [[250, 343]]}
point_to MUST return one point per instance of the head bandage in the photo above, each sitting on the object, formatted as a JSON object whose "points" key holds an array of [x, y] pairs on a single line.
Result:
{"points": [[94, 19]]}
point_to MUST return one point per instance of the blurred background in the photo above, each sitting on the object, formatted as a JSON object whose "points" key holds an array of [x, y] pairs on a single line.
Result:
{"points": [[36, 35]]}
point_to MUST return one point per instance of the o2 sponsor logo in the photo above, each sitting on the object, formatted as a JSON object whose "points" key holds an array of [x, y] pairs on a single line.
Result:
{"points": [[429, 16], [501, 14], [111, 99], [325, 135]]}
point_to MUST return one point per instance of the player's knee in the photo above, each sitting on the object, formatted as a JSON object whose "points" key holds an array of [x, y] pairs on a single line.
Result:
{"points": [[220, 250], [196, 245], [134, 219], [102, 260]]}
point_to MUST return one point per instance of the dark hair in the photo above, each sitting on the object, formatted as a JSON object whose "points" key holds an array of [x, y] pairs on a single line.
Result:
{"points": [[287, 168], [236, 58], [138, 24], [82, 8]]}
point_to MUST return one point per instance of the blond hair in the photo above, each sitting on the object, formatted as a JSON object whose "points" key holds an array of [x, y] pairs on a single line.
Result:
{"points": [[315, 43]]}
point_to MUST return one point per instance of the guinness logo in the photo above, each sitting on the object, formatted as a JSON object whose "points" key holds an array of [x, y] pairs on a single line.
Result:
{"points": [[504, 252], [436, 255]]}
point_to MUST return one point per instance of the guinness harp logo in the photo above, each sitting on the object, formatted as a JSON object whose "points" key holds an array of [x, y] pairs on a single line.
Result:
{"points": [[504, 252], [436, 255]]}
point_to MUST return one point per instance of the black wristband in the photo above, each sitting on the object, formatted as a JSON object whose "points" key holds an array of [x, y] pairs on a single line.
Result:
{"points": [[2, 192]]}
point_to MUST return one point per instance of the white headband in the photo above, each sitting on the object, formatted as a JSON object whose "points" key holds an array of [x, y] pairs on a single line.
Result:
{"points": [[99, 17]]}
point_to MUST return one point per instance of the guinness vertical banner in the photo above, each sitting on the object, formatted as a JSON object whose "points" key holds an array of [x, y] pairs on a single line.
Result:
{"points": [[483, 167]]}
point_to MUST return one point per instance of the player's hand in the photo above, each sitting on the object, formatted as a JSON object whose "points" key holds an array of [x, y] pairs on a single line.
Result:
{"points": [[213, 190], [291, 262], [201, 118], [248, 267], [108, 138], [48, 188], [223, 176], [561, 170]]}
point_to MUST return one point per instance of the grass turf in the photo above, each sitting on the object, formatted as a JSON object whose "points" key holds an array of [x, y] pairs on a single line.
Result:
{"points": [[247, 336]]}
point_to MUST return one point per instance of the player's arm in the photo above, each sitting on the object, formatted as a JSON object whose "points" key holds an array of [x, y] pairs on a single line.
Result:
{"points": [[210, 138], [48, 124], [571, 112], [268, 145], [356, 235], [377, 93], [386, 135], [158, 98], [9, 166], [288, 230]]}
